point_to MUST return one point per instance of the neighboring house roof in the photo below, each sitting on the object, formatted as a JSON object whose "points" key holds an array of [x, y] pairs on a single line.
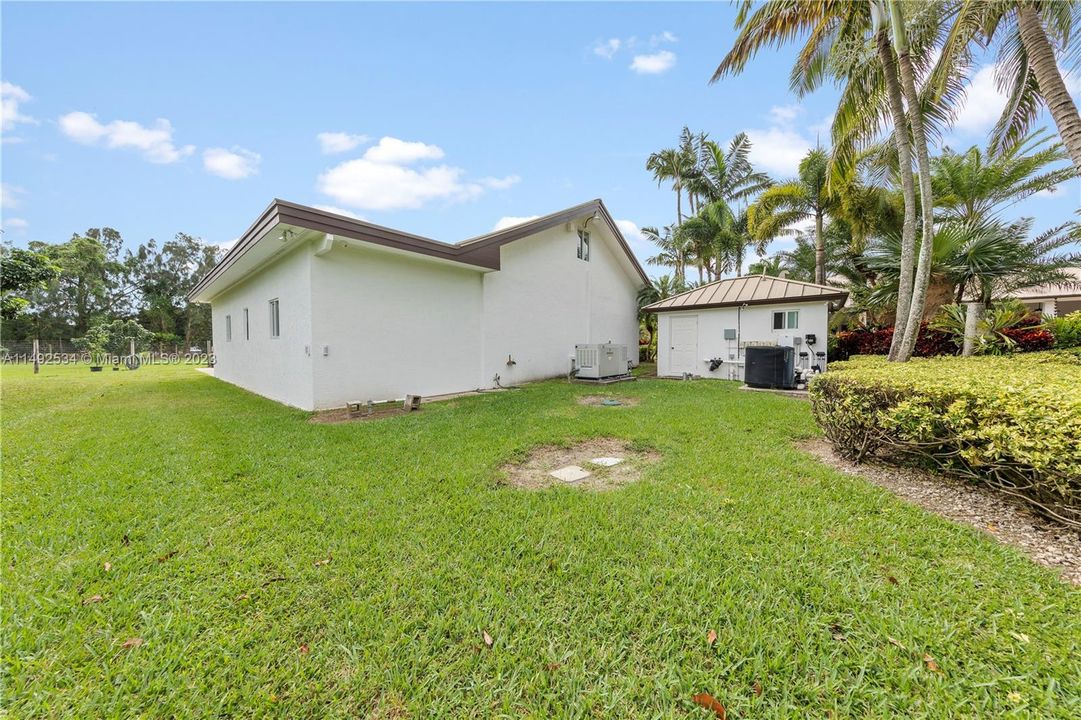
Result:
{"points": [[481, 251], [1058, 291], [748, 290]]}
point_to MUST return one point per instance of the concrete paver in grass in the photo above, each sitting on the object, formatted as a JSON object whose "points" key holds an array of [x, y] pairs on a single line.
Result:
{"points": [[571, 473]]}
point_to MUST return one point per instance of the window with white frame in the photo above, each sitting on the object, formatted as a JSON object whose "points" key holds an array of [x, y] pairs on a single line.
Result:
{"points": [[583, 245], [786, 320], [228, 328], [275, 328], [247, 326]]}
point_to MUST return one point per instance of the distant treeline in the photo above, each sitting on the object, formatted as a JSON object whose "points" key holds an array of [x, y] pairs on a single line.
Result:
{"points": [[58, 292]]}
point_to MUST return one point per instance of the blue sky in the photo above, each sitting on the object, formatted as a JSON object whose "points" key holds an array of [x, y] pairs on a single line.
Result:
{"points": [[436, 119]]}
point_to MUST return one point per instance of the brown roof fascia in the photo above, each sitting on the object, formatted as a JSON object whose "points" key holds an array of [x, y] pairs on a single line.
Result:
{"points": [[481, 251]]}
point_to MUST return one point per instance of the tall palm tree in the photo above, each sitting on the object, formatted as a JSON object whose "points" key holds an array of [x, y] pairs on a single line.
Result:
{"points": [[1027, 32], [727, 175], [718, 239], [672, 165], [836, 31], [806, 198], [673, 250]]}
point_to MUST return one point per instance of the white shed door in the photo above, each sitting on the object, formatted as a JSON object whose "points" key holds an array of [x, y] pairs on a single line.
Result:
{"points": [[683, 345]]}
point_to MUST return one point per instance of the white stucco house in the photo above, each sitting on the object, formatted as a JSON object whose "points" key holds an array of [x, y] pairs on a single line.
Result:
{"points": [[315, 309], [705, 331]]}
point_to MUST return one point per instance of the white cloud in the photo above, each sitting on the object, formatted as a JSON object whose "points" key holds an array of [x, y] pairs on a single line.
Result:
{"points": [[401, 152], [155, 143], [382, 180], [664, 37], [383, 186], [984, 102], [339, 142], [19, 225], [9, 196], [510, 221], [654, 64], [785, 114], [338, 211], [607, 48], [494, 183], [11, 96], [235, 164], [982, 105], [778, 150]]}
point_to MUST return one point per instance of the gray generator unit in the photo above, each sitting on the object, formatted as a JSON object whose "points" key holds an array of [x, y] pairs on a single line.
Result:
{"points": [[770, 367], [600, 361]]}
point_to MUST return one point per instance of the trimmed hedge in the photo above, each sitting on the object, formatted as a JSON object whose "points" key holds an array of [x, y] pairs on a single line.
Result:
{"points": [[1012, 422]]}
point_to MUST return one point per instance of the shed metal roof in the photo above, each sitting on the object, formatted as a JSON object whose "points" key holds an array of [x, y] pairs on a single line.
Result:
{"points": [[748, 290]]}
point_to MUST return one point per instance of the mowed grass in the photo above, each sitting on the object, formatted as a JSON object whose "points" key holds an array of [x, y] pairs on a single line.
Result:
{"points": [[214, 508]]}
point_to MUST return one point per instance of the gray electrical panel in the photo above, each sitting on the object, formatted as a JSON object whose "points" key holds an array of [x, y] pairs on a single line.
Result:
{"points": [[729, 334]]}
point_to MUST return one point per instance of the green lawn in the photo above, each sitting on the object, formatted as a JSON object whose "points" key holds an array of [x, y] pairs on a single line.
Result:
{"points": [[214, 506]]}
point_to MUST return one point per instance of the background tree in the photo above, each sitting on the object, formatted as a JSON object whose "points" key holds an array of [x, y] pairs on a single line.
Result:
{"points": [[806, 198], [21, 273]]}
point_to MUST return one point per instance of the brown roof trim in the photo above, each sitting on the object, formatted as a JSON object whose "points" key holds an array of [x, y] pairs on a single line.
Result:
{"points": [[481, 251]]}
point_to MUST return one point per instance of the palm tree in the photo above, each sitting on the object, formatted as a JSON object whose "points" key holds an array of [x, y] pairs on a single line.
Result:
{"points": [[673, 250], [718, 240], [675, 165], [1027, 32], [984, 259], [973, 186], [805, 198], [727, 175]]}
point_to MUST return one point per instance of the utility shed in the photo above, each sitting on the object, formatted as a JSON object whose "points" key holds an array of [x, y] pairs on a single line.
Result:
{"points": [[316, 310], [705, 331]]}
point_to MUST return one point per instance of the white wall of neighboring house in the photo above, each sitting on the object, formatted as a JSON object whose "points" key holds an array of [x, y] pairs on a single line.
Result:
{"points": [[278, 368], [705, 329], [393, 323], [544, 301]]}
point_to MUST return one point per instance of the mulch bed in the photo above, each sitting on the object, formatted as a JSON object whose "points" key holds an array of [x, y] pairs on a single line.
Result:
{"points": [[1047, 543]]}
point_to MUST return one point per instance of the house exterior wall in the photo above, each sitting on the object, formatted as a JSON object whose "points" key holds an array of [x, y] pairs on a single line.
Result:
{"points": [[544, 300], [393, 324], [755, 324], [278, 368]]}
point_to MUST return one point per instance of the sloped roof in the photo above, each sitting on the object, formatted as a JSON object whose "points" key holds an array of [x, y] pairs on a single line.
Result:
{"points": [[1059, 290], [748, 290], [481, 251]]}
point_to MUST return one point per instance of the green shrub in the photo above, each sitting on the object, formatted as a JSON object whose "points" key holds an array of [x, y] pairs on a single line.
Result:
{"points": [[1011, 422], [1066, 329]]}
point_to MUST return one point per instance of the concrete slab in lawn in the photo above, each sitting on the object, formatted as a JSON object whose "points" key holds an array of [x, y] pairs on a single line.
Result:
{"points": [[571, 473], [606, 461]]}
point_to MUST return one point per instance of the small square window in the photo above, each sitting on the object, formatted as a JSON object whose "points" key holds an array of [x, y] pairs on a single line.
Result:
{"points": [[275, 329], [583, 245], [786, 320], [228, 328]]}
